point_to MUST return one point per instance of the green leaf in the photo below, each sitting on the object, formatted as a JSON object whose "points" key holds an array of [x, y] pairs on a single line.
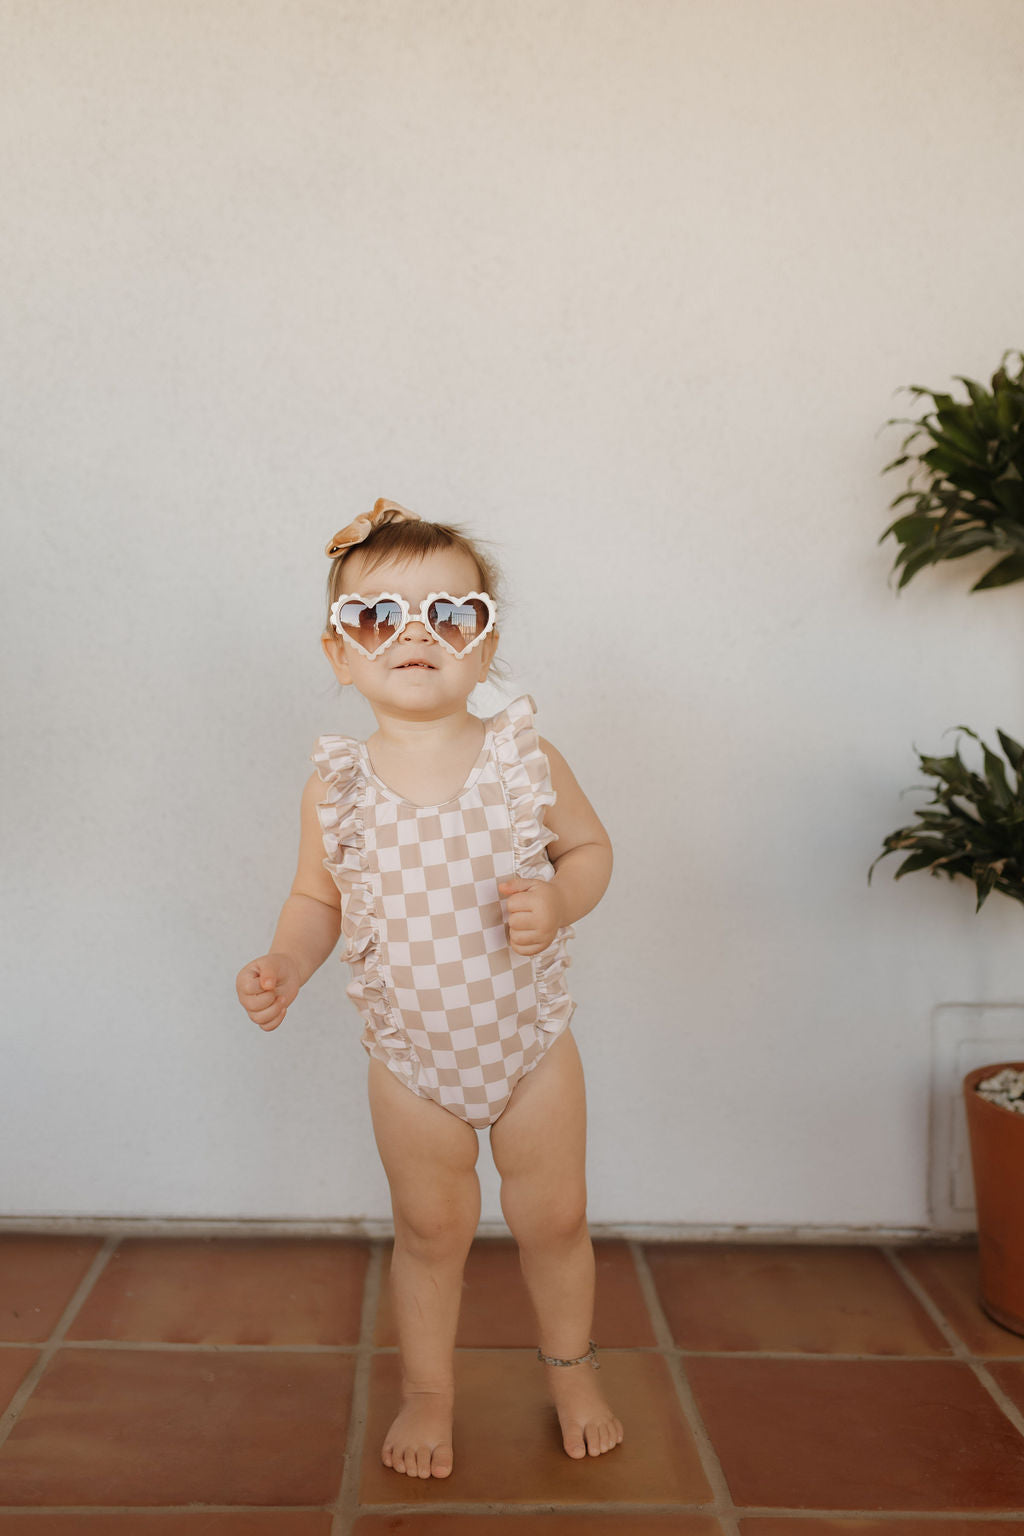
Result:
{"points": [[995, 774], [1013, 750], [965, 485], [924, 501], [912, 529], [916, 861], [1008, 412], [1008, 494], [952, 770], [912, 565], [1009, 570], [958, 429], [973, 826], [942, 402], [984, 404], [966, 543]]}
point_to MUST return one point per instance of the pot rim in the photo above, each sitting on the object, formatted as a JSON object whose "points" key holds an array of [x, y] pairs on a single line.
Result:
{"points": [[971, 1080]]}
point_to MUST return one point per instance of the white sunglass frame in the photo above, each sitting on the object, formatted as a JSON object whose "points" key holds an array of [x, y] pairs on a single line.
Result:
{"points": [[409, 616]]}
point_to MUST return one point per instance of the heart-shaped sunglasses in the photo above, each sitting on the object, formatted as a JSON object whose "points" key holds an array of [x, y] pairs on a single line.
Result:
{"points": [[457, 623]]}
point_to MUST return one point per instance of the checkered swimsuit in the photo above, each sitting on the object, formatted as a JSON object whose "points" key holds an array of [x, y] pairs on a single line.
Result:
{"points": [[449, 1008]]}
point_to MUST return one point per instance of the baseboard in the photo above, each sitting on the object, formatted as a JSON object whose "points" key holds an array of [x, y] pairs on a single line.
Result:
{"points": [[646, 1232]]}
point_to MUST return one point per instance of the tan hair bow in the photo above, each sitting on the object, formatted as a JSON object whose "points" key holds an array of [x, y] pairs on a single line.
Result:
{"points": [[360, 528]]}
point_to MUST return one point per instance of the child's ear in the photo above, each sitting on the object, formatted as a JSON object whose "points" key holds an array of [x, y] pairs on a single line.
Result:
{"points": [[334, 650]]}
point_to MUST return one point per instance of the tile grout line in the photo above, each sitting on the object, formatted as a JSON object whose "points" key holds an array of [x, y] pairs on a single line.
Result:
{"points": [[49, 1347], [882, 1517], [722, 1509], [505, 1511], [347, 1504], [163, 1346], [960, 1349], [150, 1346]]}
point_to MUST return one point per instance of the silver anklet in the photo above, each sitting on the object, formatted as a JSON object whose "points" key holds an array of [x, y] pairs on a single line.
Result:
{"points": [[591, 1356]]}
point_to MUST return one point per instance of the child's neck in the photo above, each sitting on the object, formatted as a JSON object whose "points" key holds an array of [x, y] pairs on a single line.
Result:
{"points": [[424, 737], [426, 761]]}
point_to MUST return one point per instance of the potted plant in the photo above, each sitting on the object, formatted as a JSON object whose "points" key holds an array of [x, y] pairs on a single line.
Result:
{"points": [[974, 826], [967, 480]]}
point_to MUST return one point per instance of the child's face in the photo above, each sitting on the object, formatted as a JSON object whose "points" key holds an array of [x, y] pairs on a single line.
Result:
{"points": [[415, 678]]}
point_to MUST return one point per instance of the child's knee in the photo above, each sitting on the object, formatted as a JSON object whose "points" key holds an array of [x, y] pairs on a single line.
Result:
{"points": [[544, 1218], [436, 1230]]}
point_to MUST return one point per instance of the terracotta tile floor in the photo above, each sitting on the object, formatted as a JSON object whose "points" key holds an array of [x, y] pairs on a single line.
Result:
{"points": [[238, 1387]]}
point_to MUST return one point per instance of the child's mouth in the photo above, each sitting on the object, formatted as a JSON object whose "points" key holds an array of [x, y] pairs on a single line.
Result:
{"points": [[403, 665]]}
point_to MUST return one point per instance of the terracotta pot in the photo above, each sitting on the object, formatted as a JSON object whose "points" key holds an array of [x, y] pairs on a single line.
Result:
{"points": [[997, 1161]]}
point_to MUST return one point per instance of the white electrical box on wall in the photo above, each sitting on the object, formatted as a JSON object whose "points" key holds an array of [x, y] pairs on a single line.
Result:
{"points": [[964, 1036]]}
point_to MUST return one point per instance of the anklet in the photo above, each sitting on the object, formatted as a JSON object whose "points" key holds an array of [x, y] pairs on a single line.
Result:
{"points": [[591, 1356]]}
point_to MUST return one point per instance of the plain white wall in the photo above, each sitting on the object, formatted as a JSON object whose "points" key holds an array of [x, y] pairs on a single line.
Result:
{"points": [[627, 288]]}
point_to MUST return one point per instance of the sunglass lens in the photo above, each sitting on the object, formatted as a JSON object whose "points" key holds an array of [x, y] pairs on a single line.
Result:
{"points": [[458, 623], [370, 624]]}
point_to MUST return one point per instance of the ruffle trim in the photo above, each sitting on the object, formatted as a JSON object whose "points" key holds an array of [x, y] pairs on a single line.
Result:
{"points": [[338, 763], [555, 1006], [526, 776]]}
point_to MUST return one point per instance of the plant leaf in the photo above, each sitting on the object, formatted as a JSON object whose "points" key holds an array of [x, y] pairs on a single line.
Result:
{"points": [[973, 826], [983, 402], [995, 774], [1009, 570], [1013, 750], [1008, 494]]}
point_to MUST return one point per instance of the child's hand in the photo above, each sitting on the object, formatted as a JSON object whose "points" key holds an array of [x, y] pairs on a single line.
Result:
{"points": [[266, 987], [534, 914]]}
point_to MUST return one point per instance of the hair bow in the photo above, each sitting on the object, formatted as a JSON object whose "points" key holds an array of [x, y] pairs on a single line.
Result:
{"points": [[360, 528]]}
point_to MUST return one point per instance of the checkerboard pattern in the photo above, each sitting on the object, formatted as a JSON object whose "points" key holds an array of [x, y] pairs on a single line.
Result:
{"points": [[461, 1012]]}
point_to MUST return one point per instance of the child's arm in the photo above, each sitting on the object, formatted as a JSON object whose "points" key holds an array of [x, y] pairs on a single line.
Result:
{"points": [[307, 929], [582, 856]]}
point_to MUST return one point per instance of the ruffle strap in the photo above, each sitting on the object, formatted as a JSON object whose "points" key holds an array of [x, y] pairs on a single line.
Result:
{"points": [[527, 779], [341, 821], [526, 776]]}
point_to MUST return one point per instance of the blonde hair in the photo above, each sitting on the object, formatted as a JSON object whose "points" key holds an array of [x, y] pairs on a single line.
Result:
{"points": [[410, 540]]}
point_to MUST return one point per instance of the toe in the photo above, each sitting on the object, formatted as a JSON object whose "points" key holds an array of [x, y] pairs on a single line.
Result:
{"points": [[423, 1460], [441, 1461], [387, 1455], [572, 1439]]}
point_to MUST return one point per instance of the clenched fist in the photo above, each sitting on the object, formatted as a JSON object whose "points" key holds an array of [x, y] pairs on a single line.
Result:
{"points": [[535, 914], [266, 987]]}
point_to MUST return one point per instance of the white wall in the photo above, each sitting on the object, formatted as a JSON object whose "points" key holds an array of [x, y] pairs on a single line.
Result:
{"points": [[628, 288]]}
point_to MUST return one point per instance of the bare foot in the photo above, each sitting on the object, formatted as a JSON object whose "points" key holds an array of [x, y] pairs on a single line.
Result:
{"points": [[419, 1442], [588, 1424]]}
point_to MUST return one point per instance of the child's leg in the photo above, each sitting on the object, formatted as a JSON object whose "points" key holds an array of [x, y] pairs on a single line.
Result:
{"points": [[429, 1157], [539, 1146]]}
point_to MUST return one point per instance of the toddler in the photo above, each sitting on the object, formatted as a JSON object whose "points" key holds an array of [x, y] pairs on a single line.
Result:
{"points": [[458, 853]]}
